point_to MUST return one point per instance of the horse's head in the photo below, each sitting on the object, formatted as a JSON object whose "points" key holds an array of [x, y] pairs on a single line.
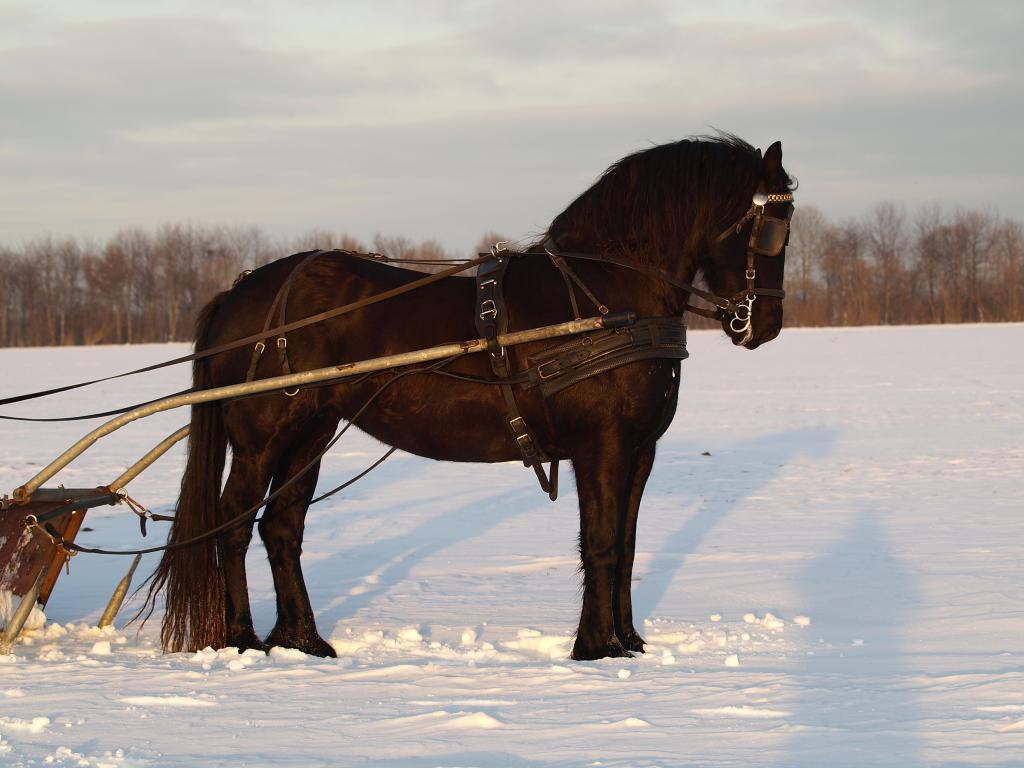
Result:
{"points": [[745, 263]]}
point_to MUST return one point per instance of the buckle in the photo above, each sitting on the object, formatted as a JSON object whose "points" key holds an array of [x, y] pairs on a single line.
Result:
{"points": [[488, 311], [542, 375]]}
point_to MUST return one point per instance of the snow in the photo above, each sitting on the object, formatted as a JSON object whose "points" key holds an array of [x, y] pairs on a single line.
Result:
{"points": [[837, 583], [9, 603]]}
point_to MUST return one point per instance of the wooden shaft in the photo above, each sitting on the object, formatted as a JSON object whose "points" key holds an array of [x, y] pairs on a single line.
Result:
{"points": [[142, 464], [116, 599], [453, 349]]}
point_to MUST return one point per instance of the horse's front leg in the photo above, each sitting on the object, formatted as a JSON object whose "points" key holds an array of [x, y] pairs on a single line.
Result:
{"points": [[641, 470], [602, 479]]}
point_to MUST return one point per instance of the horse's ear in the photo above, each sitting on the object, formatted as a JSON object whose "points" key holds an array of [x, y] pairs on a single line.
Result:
{"points": [[772, 161]]}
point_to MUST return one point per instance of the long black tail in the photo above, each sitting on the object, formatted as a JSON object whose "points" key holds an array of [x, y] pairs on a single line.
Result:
{"points": [[191, 577]]}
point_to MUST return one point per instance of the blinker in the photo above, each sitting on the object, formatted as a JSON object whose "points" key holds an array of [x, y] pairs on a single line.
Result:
{"points": [[769, 235]]}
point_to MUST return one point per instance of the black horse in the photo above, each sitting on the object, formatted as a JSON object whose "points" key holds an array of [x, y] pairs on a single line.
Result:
{"points": [[674, 210]]}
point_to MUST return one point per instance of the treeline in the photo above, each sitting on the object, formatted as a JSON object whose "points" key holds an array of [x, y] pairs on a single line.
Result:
{"points": [[145, 287], [883, 268], [888, 268]]}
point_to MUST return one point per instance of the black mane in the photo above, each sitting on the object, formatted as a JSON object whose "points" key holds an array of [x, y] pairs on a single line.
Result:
{"points": [[660, 200]]}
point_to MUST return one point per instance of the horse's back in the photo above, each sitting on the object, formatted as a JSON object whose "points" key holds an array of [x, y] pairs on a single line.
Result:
{"points": [[432, 314]]}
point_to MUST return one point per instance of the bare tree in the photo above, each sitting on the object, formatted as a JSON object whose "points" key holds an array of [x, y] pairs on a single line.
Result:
{"points": [[140, 287], [805, 298], [885, 238]]}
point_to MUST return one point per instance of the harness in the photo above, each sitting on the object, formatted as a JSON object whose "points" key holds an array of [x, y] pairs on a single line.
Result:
{"points": [[566, 364], [593, 353]]}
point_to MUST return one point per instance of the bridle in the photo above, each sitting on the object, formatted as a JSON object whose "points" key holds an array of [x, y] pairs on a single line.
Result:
{"points": [[769, 235]]}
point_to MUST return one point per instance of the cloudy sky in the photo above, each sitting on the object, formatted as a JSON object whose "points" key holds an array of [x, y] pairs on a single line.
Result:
{"points": [[435, 119]]}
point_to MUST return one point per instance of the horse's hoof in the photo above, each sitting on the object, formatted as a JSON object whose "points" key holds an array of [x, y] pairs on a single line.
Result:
{"points": [[612, 649], [313, 646], [633, 642], [320, 647]]}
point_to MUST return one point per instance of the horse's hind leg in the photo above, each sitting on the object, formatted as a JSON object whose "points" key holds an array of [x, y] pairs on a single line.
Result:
{"points": [[248, 479], [624, 629], [281, 530]]}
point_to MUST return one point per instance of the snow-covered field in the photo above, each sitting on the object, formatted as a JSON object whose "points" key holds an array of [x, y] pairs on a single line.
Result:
{"points": [[839, 583]]}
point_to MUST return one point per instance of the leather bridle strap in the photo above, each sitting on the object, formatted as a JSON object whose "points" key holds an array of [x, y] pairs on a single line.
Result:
{"points": [[724, 305]]}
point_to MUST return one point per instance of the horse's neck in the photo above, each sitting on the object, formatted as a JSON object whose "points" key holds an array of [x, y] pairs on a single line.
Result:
{"points": [[622, 288]]}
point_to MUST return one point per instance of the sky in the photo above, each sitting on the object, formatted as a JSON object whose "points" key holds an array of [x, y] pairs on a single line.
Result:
{"points": [[443, 120]]}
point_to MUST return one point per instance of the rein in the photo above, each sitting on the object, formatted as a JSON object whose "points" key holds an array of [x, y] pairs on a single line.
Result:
{"points": [[768, 236]]}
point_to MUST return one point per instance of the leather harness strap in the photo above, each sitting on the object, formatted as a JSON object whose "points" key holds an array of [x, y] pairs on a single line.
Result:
{"points": [[280, 303], [491, 320], [560, 367]]}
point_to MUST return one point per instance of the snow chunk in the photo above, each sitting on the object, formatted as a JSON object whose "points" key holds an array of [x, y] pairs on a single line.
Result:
{"points": [[732, 660], [771, 621], [287, 655], [474, 720], [624, 674], [410, 635], [9, 603], [468, 636], [35, 725], [802, 621], [544, 646], [744, 711], [695, 647], [168, 701], [715, 617], [100, 648]]}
